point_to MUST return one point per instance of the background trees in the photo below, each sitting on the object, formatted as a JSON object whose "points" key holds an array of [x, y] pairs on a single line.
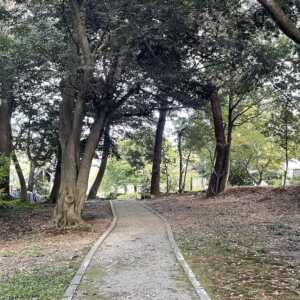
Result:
{"points": [[72, 69]]}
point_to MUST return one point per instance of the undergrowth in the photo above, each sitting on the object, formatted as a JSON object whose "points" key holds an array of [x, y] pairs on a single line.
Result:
{"points": [[16, 204]]}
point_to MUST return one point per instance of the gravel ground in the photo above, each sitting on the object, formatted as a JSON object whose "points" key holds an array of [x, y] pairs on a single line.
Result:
{"points": [[136, 261]]}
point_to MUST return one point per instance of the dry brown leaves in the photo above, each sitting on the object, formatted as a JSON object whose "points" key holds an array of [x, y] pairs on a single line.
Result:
{"points": [[28, 238], [246, 241]]}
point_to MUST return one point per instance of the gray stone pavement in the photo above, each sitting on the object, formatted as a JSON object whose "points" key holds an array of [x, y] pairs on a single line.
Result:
{"points": [[136, 261]]}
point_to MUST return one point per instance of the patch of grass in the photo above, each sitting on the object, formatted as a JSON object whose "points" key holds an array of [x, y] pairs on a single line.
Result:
{"points": [[17, 204], [44, 283], [33, 251], [7, 253], [279, 228], [91, 282]]}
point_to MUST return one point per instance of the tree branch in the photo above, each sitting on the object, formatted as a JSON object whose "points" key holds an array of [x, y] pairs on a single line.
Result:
{"points": [[282, 20]]}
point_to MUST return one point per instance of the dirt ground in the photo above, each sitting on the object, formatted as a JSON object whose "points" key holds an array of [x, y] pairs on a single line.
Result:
{"points": [[244, 244], [29, 243]]}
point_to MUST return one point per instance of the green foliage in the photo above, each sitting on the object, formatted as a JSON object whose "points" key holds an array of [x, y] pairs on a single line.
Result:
{"points": [[239, 175], [4, 167], [170, 50], [45, 283], [254, 157], [16, 204], [128, 196], [295, 180]]}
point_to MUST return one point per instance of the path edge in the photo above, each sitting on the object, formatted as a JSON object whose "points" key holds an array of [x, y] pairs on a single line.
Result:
{"points": [[199, 289], [71, 290]]}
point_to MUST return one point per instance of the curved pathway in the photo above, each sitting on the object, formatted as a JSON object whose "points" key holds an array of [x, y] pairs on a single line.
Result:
{"points": [[136, 261]]}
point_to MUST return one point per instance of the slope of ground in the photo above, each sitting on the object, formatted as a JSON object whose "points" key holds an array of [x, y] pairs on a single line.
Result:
{"points": [[36, 260], [244, 244]]}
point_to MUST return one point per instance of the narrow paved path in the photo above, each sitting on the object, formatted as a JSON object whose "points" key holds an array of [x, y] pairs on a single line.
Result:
{"points": [[135, 261]]}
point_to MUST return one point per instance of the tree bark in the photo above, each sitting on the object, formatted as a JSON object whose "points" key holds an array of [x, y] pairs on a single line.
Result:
{"points": [[156, 162], [282, 20], [105, 154], [31, 176], [219, 176], [75, 173], [5, 142], [167, 177], [76, 88], [286, 146], [57, 178], [185, 170], [21, 177], [180, 179], [74, 178]]}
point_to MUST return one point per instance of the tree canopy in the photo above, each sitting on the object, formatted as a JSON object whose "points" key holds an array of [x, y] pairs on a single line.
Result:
{"points": [[161, 96]]}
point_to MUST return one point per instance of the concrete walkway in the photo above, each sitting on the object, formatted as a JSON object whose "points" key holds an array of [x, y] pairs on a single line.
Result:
{"points": [[135, 261]]}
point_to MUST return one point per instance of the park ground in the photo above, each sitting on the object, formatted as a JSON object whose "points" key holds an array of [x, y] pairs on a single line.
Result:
{"points": [[36, 260], [244, 244]]}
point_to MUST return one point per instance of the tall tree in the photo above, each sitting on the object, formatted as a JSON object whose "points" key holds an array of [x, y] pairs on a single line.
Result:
{"points": [[98, 87], [287, 26], [157, 152], [104, 158]]}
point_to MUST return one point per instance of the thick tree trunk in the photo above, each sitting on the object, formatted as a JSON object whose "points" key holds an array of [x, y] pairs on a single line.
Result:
{"points": [[31, 176], [75, 173], [74, 178], [156, 162], [71, 114], [21, 177], [5, 144], [219, 176], [66, 210], [282, 20], [57, 178]]}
